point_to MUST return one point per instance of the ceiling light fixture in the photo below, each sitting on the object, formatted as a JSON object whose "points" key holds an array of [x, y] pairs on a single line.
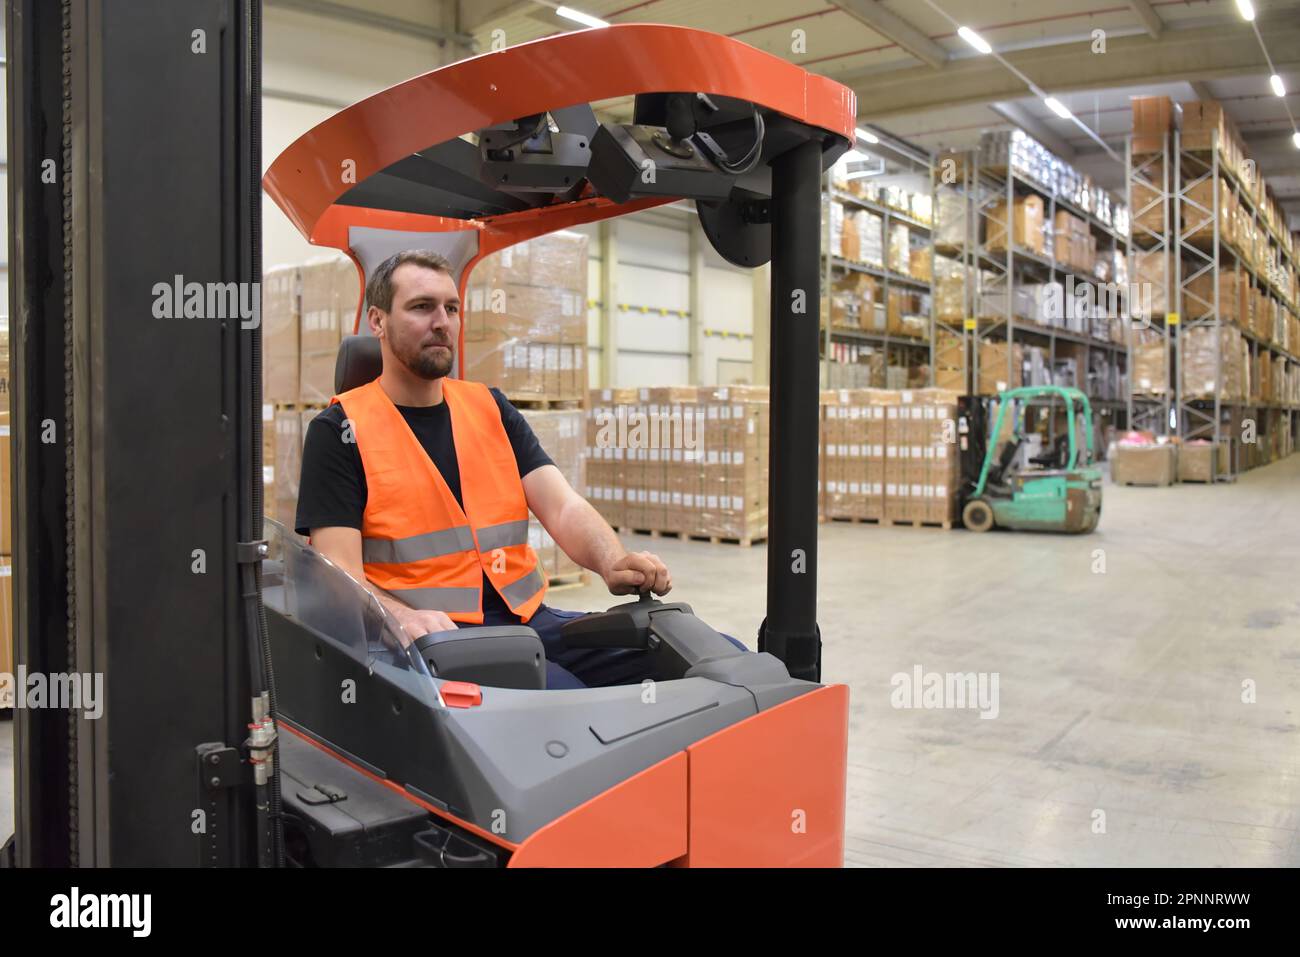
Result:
{"points": [[974, 39], [577, 16], [1057, 107]]}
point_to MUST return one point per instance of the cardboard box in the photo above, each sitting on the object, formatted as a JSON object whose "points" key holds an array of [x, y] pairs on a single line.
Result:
{"points": [[1198, 461], [330, 291], [1144, 464], [281, 318], [993, 367], [1026, 224], [1153, 118]]}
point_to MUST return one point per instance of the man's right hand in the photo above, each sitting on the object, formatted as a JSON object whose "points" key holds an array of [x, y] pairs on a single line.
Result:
{"points": [[416, 623]]}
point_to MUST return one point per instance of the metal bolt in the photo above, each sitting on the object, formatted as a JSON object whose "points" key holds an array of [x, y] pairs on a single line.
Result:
{"points": [[214, 782], [213, 758]]}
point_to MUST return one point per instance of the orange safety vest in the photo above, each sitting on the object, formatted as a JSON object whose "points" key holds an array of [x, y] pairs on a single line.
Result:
{"points": [[416, 541]]}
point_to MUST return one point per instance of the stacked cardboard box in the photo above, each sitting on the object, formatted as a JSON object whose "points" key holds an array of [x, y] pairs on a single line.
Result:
{"points": [[684, 459], [1150, 371], [854, 303], [1202, 461], [900, 249], [949, 361], [950, 230], [1074, 245], [1151, 271], [906, 314], [1146, 464], [562, 434], [949, 290], [284, 430], [1214, 361], [1153, 120], [526, 319], [993, 367], [1198, 220], [1026, 225], [329, 293], [281, 321], [889, 455]]}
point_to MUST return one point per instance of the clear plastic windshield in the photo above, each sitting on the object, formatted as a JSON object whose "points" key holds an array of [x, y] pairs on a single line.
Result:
{"points": [[304, 585]]}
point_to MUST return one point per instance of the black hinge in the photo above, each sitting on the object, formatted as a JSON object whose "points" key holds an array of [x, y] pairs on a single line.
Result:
{"points": [[219, 765]]}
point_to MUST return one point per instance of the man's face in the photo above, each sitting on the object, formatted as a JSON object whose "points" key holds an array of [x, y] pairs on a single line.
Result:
{"points": [[424, 325]]}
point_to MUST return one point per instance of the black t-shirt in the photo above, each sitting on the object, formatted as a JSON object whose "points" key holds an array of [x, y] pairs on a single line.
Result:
{"points": [[332, 490]]}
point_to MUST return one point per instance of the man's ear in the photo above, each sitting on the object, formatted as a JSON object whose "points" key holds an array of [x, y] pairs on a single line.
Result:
{"points": [[375, 317]]}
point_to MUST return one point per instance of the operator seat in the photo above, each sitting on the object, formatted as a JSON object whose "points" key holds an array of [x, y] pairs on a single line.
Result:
{"points": [[359, 361]]}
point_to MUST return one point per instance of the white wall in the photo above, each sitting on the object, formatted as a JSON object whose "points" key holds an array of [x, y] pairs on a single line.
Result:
{"points": [[314, 58]]}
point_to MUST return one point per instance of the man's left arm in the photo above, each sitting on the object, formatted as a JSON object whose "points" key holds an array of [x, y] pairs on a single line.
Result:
{"points": [[587, 538]]}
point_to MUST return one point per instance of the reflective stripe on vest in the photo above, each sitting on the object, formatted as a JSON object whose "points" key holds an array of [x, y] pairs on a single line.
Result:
{"points": [[417, 542], [439, 599], [499, 536], [389, 551]]}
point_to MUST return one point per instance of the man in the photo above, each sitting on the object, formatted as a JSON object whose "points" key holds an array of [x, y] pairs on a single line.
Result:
{"points": [[419, 486]]}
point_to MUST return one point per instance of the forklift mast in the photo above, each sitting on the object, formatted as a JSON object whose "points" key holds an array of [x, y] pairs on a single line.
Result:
{"points": [[134, 161]]}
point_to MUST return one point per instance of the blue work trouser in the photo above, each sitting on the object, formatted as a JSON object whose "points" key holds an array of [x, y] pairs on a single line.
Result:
{"points": [[583, 667]]}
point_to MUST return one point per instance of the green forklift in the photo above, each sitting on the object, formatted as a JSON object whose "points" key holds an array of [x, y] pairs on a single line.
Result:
{"points": [[1004, 485]]}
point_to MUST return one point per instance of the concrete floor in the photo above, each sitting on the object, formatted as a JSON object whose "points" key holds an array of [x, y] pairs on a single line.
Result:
{"points": [[1120, 691]]}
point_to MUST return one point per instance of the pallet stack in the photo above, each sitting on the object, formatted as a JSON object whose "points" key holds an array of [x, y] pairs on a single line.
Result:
{"points": [[562, 433], [688, 461], [526, 321], [306, 311], [889, 456]]}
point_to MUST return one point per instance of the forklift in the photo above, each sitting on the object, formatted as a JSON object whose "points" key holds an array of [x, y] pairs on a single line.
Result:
{"points": [[260, 708], [1007, 484]]}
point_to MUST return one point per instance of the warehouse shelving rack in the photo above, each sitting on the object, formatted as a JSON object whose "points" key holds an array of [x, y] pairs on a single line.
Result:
{"points": [[995, 274], [1147, 180], [1193, 257], [905, 159]]}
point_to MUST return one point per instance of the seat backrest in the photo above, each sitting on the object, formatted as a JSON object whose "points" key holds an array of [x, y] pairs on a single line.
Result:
{"points": [[359, 361]]}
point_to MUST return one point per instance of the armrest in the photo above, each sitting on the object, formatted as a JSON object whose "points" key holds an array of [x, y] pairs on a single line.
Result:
{"points": [[500, 656]]}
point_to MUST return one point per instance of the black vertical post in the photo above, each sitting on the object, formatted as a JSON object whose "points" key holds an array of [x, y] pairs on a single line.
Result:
{"points": [[38, 343], [790, 629], [136, 445]]}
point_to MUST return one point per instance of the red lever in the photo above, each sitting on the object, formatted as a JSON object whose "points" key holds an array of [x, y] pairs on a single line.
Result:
{"points": [[461, 694]]}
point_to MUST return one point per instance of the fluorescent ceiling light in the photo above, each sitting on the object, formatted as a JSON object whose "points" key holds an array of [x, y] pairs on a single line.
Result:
{"points": [[577, 16], [1057, 107], [867, 135], [1275, 82], [974, 39], [1296, 139], [1245, 9]]}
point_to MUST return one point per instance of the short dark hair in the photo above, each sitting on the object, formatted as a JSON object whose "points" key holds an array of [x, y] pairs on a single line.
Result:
{"points": [[379, 290]]}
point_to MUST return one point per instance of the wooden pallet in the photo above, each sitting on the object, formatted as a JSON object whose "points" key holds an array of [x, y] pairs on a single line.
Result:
{"points": [[745, 542], [854, 520], [570, 580], [1146, 484], [543, 402], [724, 540], [913, 523]]}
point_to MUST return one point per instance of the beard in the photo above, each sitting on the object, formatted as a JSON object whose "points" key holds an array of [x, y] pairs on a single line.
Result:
{"points": [[425, 360]]}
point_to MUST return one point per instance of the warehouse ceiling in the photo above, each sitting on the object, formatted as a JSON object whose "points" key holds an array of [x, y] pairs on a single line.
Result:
{"points": [[916, 79]]}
